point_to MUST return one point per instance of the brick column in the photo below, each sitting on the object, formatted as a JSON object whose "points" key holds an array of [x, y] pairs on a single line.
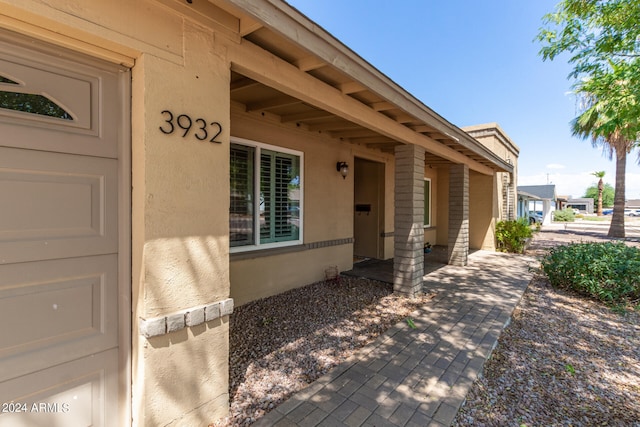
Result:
{"points": [[408, 260], [458, 215]]}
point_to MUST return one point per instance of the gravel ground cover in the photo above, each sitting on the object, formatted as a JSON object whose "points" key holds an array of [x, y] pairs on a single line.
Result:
{"points": [[280, 344], [563, 361]]}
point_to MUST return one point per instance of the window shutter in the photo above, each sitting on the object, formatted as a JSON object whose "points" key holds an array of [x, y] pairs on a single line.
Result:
{"points": [[241, 203], [283, 168], [265, 197], [277, 171]]}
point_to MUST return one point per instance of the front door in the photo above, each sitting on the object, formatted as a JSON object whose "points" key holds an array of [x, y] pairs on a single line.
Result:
{"points": [[368, 220], [63, 188]]}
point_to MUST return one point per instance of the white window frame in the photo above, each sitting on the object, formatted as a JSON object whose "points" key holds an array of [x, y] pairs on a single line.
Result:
{"points": [[256, 185], [430, 202]]}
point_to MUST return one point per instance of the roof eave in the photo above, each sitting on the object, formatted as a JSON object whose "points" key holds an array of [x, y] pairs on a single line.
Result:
{"points": [[296, 27]]}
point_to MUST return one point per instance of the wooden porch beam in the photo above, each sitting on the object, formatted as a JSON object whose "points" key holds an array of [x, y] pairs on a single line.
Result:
{"points": [[382, 106], [307, 115], [271, 103], [351, 87], [309, 63], [258, 64]]}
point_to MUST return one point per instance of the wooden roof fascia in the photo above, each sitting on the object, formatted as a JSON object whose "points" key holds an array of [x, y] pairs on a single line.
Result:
{"points": [[321, 44], [293, 25], [260, 65]]}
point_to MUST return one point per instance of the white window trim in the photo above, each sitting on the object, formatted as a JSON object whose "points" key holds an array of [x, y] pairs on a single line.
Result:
{"points": [[256, 176], [430, 202]]}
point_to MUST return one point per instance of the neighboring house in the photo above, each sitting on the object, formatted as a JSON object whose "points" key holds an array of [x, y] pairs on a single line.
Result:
{"points": [[632, 204], [162, 159], [495, 139], [542, 197], [583, 204]]}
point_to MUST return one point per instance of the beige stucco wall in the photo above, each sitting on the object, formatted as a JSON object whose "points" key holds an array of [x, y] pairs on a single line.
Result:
{"points": [[180, 234], [327, 213], [179, 58], [328, 210], [483, 208], [324, 188], [492, 136], [264, 276], [179, 203]]}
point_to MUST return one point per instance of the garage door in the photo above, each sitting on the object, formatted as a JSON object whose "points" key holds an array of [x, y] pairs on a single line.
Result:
{"points": [[63, 221]]}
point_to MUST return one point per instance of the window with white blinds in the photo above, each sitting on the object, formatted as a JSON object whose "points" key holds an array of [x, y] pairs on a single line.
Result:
{"points": [[241, 206], [266, 196]]}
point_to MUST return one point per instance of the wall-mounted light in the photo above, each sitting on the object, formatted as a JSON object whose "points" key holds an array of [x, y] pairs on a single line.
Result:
{"points": [[343, 168]]}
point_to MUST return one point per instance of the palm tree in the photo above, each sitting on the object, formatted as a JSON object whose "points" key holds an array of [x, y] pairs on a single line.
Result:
{"points": [[604, 131], [599, 175], [611, 119]]}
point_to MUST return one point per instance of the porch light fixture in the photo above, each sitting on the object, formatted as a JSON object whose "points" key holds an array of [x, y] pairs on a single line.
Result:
{"points": [[343, 168]]}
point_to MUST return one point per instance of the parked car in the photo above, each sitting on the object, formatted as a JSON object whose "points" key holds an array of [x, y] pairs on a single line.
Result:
{"points": [[535, 217], [634, 212], [607, 211]]}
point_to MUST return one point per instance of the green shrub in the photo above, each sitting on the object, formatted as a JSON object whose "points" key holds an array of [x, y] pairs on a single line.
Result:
{"points": [[512, 235], [565, 215], [608, 272]]}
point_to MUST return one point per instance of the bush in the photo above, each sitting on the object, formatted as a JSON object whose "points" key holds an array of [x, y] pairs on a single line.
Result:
{"points": [[565, 215], [512, 235], [608, 272]]}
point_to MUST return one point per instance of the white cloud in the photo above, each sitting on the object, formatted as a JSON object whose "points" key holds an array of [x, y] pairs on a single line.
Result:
{"points": [[555, 166]]}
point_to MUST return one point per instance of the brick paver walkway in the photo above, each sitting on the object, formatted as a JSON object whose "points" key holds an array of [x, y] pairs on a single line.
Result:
{"points": [[419, 377]]}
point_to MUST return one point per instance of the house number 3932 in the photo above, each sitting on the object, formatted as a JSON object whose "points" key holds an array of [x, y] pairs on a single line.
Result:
{"points": [[202, 129]]}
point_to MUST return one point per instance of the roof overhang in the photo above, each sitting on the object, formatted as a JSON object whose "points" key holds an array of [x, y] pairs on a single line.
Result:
{"points": [[385, 115], [529, 195]]}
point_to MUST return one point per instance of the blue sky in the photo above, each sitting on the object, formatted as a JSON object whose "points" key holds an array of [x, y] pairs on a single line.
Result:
{"points": [[477, 62]]}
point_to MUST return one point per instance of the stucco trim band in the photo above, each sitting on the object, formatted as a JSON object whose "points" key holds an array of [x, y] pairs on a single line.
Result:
{"points": [[327, 243], [238, 256], [193, 316]]}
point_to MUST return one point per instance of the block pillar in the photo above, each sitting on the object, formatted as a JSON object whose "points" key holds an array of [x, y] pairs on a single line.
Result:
{"points": [[408, 260], [458, 215]]}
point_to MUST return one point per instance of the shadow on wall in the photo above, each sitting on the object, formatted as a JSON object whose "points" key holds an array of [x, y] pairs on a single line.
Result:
{"points": [[183, 375]]}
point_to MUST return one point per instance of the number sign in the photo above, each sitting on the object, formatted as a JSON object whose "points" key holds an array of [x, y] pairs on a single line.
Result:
{"points": [[203, 130]]}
